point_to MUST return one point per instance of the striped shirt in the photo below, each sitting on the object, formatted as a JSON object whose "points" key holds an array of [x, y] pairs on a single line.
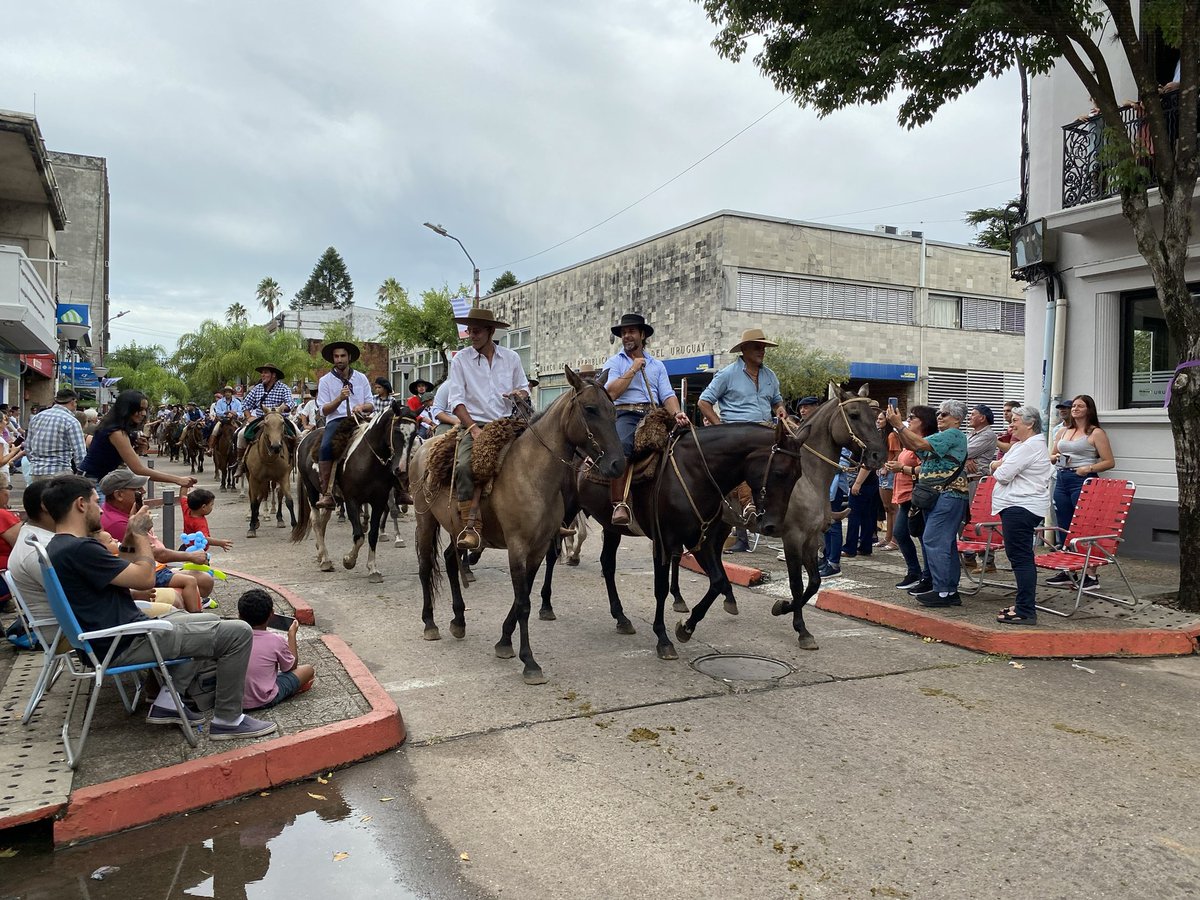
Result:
{"points": [[55, 442], [259, 397]]}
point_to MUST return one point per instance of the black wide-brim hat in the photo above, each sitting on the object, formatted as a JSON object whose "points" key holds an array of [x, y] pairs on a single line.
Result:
{"points": [[352, 349], [632, 319], [270, 368], [412, 385]]}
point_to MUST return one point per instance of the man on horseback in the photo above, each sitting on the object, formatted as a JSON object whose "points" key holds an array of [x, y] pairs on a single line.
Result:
{"points": [[341, 392], [228, 407], [484, 378], [269, 392], [747, 391], [637, 382]]}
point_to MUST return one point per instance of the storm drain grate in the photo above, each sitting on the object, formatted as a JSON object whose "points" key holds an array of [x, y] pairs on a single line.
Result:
{"points": [[741, 667]]}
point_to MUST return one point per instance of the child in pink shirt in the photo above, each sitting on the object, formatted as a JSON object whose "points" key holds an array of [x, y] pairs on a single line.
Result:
{"points": [[272, 674]]}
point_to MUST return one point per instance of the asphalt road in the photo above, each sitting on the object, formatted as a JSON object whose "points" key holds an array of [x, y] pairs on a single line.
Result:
{"points": [[883, 766]]}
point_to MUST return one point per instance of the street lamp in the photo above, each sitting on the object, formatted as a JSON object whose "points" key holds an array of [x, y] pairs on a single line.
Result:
{"points": [[444, 233], [71, 334]]}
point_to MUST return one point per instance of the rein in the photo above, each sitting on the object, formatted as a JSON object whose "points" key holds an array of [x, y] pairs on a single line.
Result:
{"points": [[853, 464], [591, 438]]}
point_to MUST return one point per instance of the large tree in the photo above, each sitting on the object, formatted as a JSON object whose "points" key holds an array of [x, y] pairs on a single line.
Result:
{"points": [[328, 285], [804, 370], [504, 280], [216, 354], [237, 313], [140, 367], [832, 55], [995, 224], [431, 324], [269, 293]]}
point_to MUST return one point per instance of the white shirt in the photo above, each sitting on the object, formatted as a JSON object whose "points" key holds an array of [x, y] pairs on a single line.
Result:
{"points": [[330, 386], [480, 386], [309, 411], [1023, 478], [27, 573]]}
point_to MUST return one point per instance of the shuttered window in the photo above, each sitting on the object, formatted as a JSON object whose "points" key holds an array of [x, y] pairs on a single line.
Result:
{"points": [[982, 314], [785, 295], [977, 386]]}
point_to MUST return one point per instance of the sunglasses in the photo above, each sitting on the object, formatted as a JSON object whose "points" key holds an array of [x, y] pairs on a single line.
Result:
{"points": [[942, 415]]}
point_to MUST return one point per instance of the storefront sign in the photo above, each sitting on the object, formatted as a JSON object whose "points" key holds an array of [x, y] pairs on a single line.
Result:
{"points": [[42, 363]]}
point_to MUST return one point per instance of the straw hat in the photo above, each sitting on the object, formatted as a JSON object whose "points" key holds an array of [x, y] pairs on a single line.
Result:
{"points": [[478, 316], [752, 336]]}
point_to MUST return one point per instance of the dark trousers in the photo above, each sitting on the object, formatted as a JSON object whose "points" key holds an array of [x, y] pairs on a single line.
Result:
{"points": [[862, 525], [907, 545], [1066, 498], [1019, 524], [627, 423], [833, 535]]}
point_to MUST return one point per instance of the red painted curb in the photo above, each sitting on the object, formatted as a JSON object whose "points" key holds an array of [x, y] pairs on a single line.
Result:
{"points": [[746, 576], [304, 610], [104, 809], [1024, 642]]}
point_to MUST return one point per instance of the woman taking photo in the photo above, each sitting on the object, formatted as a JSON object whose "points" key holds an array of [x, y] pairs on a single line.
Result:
{"points": [[1080, 451], [921, 421], [113, 445], [1021, 497]]}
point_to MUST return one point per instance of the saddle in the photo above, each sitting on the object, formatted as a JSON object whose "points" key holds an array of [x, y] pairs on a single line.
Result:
{"points": [[346, 429], [650, 441], [487, 455]]}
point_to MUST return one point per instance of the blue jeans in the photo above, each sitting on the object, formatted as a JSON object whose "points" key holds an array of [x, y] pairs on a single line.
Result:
{"points": [[833, 534], [1019, 524], [940, 541], [1066, 497], [326, 454], [627, 423], [908, 548]]}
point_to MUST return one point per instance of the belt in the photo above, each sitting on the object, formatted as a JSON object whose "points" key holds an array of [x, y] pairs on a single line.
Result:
{"points": [[636, 407]]}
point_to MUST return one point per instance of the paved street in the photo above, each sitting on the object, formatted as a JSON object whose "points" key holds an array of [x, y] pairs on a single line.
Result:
{"points": [[885, 765]]}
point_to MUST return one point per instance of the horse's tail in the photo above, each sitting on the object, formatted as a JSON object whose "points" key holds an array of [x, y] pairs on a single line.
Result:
{"points": [[304, 520]]}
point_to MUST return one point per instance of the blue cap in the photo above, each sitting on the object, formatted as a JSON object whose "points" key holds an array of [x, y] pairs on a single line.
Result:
{"points": [[986, 411], [808, 401]]}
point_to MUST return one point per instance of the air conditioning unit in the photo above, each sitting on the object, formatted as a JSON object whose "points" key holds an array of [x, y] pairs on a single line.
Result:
{"points": [[886, 229], [912, 234]]}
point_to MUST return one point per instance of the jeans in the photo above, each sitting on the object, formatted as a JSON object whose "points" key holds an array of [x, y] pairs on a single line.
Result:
{"points": [[627, 423], [833, 534], [1019, 524], [940, 541], [908, 548], [1066, 497], [862, 525]]}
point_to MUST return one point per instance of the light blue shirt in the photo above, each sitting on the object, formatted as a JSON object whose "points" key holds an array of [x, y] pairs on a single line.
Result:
{"points": [[656, 375], [740, 398], [223, 406]]}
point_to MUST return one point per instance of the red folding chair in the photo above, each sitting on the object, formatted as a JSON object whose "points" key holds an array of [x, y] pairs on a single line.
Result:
{"points": [[983, 533], [1092, 540]]}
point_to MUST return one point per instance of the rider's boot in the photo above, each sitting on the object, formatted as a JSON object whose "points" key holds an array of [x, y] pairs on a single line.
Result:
{"points": [[745, 499], [618, 492], [325, 468], [468, 511]]}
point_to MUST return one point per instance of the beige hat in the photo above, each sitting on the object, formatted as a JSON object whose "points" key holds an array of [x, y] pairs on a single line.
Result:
{"points": [[752, 336], [479, 316]]}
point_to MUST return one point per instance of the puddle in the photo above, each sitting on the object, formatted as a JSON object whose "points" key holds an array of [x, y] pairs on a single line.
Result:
{"points": [[741, 667]]}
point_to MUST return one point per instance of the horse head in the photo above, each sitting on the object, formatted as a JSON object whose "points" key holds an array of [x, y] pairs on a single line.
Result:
{"points": [[401, 432], [271, 431], [852, 424], [772, 475], [594, 429]]}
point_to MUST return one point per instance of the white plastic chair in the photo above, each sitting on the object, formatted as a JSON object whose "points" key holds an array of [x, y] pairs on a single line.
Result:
{"points": [[47, 634]]}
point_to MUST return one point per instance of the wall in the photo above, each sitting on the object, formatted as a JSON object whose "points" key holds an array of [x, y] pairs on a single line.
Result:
{"points": [[83, 244]]}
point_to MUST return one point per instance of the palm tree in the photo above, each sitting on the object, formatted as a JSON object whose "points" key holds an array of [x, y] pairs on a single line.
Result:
{"points": [[269, 294], [236, 313], [390, 290]]}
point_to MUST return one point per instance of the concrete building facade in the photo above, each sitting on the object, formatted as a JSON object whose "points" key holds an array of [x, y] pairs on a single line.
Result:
{"points": [[83, 245]]}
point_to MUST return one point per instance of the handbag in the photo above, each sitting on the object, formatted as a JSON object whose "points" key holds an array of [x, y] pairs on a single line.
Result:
{"points": [[925, 494]]}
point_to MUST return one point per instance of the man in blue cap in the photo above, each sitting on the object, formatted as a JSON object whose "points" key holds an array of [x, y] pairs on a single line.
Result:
{"points": [[806, 406]]}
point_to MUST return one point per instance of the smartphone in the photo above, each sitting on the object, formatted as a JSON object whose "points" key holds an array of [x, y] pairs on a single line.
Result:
{"points": [[280, 623], [894, 402]]}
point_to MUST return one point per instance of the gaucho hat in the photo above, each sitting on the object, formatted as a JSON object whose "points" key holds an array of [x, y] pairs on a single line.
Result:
{"points": [[352, 349], [752, 336], [478, 316], [635, 320], [412, 385], [271, 368]]}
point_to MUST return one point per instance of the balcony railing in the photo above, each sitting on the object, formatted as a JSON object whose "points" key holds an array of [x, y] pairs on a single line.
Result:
{"points": [[1089, 172], [26, 307]]}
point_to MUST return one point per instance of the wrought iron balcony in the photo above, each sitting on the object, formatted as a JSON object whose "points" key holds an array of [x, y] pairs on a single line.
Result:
{"points": [[1088, 172]]}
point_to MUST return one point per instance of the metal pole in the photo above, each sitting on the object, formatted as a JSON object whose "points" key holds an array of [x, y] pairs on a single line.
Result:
{"points": [[168, 518]]}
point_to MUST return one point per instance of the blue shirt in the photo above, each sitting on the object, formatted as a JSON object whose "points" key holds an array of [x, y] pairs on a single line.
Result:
{"points": [[223, 406], [656, 374], [740, 398]]}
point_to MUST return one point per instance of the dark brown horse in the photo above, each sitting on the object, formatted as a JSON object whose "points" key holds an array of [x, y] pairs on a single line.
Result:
{"points": [[224, 454], [524, 508], [193, 445], [269, 469]]}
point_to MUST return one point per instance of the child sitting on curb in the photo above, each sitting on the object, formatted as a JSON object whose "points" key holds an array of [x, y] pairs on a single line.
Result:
{"points": [[272, 674], [197, 506]]}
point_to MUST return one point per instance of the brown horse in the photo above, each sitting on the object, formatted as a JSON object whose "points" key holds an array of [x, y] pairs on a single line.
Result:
{"points": [[193, 444], [224, 452], [524, 509], [269, 469]]}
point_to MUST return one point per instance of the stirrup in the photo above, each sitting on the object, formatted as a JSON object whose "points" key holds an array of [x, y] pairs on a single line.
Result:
{"points": [[749, 512], [463, 541], [617, 507]]}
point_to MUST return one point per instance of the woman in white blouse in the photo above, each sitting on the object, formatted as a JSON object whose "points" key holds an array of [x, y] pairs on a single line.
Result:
{"points": [[1022, 500]]}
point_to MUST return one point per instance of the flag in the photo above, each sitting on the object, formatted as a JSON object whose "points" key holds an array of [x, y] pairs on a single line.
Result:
{"points": [[461, 306]]}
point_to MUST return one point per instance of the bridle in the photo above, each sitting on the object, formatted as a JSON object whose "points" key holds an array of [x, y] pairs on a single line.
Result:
{"points": [[853, 464], [591, 445]]}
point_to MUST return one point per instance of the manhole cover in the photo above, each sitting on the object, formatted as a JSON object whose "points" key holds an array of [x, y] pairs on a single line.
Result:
{"points": [[741, 667]]}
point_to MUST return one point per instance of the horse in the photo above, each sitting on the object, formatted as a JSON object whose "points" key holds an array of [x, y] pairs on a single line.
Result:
{"points": [[269, 469], [193, 444], [224, 453], [524, 509], [372, 471], [844, 420]]}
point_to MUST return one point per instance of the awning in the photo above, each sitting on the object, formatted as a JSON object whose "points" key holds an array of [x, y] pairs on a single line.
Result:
{"points": [[688, 365], [42, 363], [883, 371]]}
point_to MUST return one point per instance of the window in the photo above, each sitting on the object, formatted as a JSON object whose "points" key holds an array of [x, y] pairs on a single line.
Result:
{"points": [[977, 386], [1148, 353], [943, 311], [786, 295], [517, 339], [976, 314]]}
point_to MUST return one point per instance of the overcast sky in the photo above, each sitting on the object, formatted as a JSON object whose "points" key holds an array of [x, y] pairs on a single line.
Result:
{"points": [[244, 138]]}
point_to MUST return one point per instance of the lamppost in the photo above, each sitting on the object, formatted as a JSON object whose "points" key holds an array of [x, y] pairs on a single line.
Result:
{"points": [[71, 333], [444, 233]]}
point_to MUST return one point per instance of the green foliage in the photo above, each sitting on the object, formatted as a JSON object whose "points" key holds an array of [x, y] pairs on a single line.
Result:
{"points": [[237, 313], [217, 354], [269, 293], [328, 285], [506, 280], [139, 369], [995, 225], [409, 326], [804, 370], [133, 355]]}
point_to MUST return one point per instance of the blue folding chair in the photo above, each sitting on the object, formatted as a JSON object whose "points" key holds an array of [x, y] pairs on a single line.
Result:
{"points": [[46, 634], [95, 669]]}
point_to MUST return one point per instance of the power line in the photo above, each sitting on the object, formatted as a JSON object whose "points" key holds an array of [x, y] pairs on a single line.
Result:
{"points": [[856, 212]]}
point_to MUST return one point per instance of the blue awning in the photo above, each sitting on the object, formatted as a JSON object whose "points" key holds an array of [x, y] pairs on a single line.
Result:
{"points": [[688, 365], [883, 371]]}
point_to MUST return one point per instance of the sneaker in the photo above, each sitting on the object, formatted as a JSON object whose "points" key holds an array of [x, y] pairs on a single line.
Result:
{"points": [[782, 557], [210, 603], [934, 599], [737, 547], [908, 583], [1062, 578], [249, 728], [921, 587], [160, 715], [1091, 581], [828, 571]]}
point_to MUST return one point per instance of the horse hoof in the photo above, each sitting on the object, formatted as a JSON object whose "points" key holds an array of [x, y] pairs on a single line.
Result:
{"points": [[730, 606], [781, 608], [327, 566], [572, 561], [504, 651], [534, 676], [680, 607], [348, 563], [667, 651], [468, 577], [375, 578], [626, 627], [279, 524], [807, 641], [432, 634], [473, 557], [547, 615], [458, 630], [251, 534], [682, 632], [400, 542]]}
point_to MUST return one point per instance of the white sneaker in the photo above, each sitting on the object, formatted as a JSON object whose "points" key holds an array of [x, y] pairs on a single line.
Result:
{"points": [[782, 557]]}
